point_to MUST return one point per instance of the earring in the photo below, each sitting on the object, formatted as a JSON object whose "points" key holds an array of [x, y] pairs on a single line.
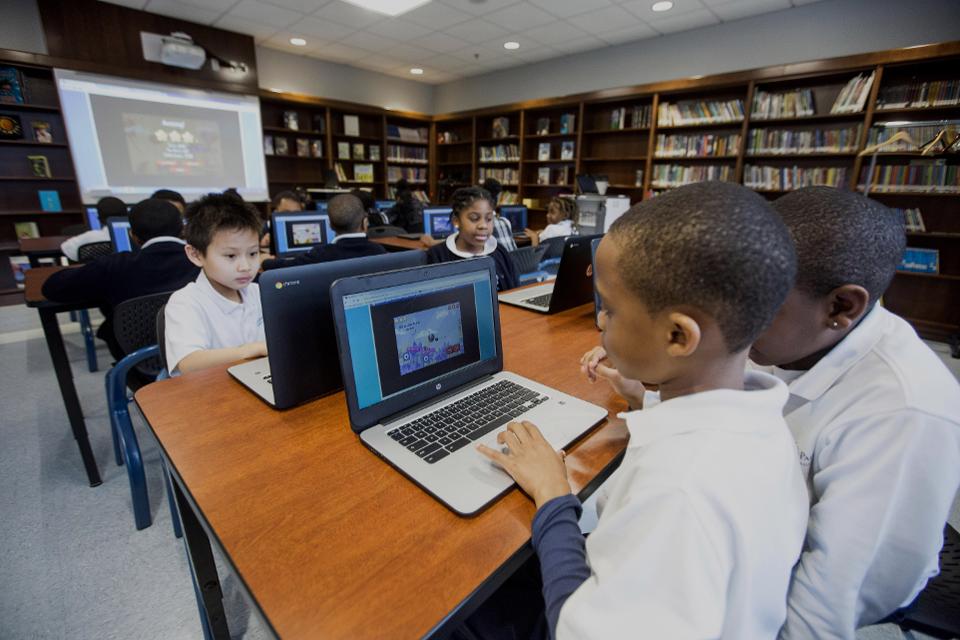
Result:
{"points": [[834, 324]]}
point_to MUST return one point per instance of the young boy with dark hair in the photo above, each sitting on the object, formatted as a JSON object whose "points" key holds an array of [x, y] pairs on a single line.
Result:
{"points": [[172, 197], [875, 413], [107, 208], [217, 319], [159, 266], [705, 516], [349, 221]]}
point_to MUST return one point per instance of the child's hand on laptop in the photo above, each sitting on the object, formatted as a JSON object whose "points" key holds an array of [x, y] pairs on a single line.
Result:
{"points": [[254, 350], [531, 461], [591, 365]]}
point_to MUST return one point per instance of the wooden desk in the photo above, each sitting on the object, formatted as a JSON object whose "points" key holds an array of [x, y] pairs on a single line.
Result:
{"points": [[35, 277], [329, 540], [37, 248], [395, 243]]}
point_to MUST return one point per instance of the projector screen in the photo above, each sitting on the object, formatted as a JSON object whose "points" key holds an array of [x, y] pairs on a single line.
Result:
{"points": [[129, 138]]}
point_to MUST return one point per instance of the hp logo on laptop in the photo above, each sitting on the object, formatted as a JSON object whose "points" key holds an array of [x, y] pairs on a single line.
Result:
{"points": [[438, 386]]}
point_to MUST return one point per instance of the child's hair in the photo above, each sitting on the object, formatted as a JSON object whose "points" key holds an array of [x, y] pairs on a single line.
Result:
{"points": [[346, 213], [366, 198], [218, 212], [842, 238], [169, 195], [715, 246], [153, 218], [493, 187], [566, 206], [285, 195], [464, 197], [110, 207]]}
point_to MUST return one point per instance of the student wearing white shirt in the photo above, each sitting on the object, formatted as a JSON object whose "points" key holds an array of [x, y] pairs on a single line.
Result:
{"points": [[875, 413], [217, 319], [560, 215], [706, 515], [108, 207]]}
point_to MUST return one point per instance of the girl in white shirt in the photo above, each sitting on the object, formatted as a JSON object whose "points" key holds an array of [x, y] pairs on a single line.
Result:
{"points": [[561, 213]]}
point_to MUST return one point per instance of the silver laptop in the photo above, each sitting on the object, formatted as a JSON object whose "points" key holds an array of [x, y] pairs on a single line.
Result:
{"points": [[422, 366], [572, 287]]}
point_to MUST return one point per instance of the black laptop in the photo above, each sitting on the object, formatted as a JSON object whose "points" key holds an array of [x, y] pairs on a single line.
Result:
{"points": [[573, 285]]}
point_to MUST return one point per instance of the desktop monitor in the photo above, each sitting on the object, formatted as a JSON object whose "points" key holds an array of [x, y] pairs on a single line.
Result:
{"points": [[516, 214], [120, 234], [321, 206], [93, 219], [385, 205], [293, 233], [437, 222]]}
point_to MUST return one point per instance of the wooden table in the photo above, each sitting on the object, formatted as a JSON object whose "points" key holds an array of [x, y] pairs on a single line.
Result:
{"points": [[329, 540], [38, 248], [35, 277], [396, 243]]}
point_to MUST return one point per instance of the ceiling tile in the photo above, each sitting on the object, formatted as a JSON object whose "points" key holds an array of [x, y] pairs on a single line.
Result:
{"points": [[519, 17], [404, 53], [368, 42], [376, 63], [746, 8], [324, 29], [349, 15], [580, 44], [685, 22], [638, 31], [446, 63], [303, 6], [398, 30], [239, 25], [797, 3], [538, 54], [265, 14], [439, 42], [567, 8], [337, 51], [436, 16], [642, 9], [479, 8], [552, 33], [476, 31], [281, 42], [603, 20], [175, 9], [133, 4], [220, 6]]}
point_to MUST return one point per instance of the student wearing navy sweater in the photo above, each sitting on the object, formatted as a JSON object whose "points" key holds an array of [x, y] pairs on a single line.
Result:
{"points": [[160, 265], [473, 221], [349, 221]]}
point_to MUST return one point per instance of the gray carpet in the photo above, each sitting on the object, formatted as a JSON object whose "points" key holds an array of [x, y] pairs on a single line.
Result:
{"points": [[72, 564]]}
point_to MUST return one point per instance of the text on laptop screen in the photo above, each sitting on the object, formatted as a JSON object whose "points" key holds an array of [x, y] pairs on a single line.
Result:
{"points": [[409, 335], [299, 232], [121, 236]]}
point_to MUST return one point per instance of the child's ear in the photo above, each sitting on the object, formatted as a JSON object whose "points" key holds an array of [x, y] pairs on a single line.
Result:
{"points": [[193, 255], [684, 335], [848, 303]]}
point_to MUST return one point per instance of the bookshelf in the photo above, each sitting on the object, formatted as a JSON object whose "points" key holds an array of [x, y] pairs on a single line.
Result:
{"points": [[551, 140], [407, 155], [357, 149], [499, 152], [296, 145], [456, 155], [615, 142]]}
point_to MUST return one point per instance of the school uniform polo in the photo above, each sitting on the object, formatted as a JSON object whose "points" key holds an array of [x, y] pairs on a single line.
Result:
{"points": [[447, 251], [560, 229], [503, 232], [343, 247], [877, 423], [702, 523], [71, 246], [198, 318]]}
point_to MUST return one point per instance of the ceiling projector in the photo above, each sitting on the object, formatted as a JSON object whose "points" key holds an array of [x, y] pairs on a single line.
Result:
{"points": [[178, 50]]}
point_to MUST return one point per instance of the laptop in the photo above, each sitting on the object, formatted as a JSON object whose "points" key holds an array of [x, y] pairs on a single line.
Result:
{"points": [[119, 227], [296, 232], [517, 215], [385, 205], [422, 365], [573, 285], [437, 222], [93, 219], [302, 363]]}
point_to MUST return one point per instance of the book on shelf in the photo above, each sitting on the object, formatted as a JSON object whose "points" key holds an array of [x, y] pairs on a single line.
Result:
{"points": [[543, 151], [694, 112], [854, 94], [351, 125], [503, 175], [695, 145], [408, 134], [410, 174], [363, 172], [792, 141], [543, 175], [343, 150], [26, 230], [500, 153], [341, 174], [665, 176], [291, 120], [280, 146], [568, 123], [42, 132], [912, 220], [919, 95], [316, 149], [49, 200], [767, 178], [919, 176], [500, 127], [10, 127], [403, 153], [446, 137], [11, 86], [797, 103], [640, 116], [358, 152], [375, 152], [917, 260], [39, 166], [320, 123], [508, 197], [303, 148], [543, 126], [638, 179], [268, 145], [618, 118], [567, 150]]}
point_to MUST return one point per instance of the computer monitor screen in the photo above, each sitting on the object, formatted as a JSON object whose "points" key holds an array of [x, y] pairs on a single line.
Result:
{"points": [[120, 234], [295, 233], [320, 206], [93, 219], [516, 214], [437, 222], [385, 205]]}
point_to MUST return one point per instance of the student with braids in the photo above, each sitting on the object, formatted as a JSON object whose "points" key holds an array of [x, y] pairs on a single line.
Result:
{"points": [[561, 212]]}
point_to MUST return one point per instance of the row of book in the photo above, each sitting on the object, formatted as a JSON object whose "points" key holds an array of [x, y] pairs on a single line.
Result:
{"points": [[567, 122], [556, 176], [419, 194], [789, 104], [411, 174], [790, 141], [545, 150], [408, 134], [692, 112], [291, 120], [402, 153], [671, 175], [508, 197], [919, 136], [505, 176], [447, 137], [853, 95], [916, 177], [635, 117], [358, 151], [767, 178], [697, 145], [916, 94], [306, 148], [912, 219], [362, 172], [500, 153]]}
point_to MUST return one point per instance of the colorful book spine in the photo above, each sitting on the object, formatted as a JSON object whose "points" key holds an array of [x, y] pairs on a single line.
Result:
{"points": [[694, 112], [765, 178], [912, 220], [916, 177], [504, 176], [853, 95], [791, 104], [404, 154], [500, 153], [411, 174], [791, 141], [919, 95], [666, 176], [696, 145]]}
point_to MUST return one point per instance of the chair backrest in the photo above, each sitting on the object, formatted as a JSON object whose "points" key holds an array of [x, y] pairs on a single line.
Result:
{"points": [[93, 250], [553, 247], [161, 335], [386, 231], [73, 229], [526, 259], [135, 326]]}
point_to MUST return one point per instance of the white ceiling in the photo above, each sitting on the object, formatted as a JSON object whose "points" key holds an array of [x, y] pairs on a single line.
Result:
{"points": [[452, 39]]}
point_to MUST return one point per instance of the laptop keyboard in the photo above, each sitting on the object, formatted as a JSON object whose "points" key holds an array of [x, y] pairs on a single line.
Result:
{"points": [[540, 301], [454, 426]]}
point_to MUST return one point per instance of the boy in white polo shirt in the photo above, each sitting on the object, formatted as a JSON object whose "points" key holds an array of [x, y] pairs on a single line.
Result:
{"points": [[875, 413], [217, 319], [706, 515]]}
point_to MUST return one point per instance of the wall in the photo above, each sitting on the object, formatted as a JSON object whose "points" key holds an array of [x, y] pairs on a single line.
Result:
{"points": [[821, 30], [20, 27], [299, 74]]}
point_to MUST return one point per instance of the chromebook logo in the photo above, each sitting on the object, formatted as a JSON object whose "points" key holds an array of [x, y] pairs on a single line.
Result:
{"points": [[288, 283]]}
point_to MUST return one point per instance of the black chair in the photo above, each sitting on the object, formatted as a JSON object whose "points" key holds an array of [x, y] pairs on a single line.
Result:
{"points": [[386, 231], [93, 250], [527, 262], [936, 611]]}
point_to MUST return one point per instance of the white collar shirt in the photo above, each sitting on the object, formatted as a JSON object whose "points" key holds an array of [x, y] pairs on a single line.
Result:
{"points": [[560, 229], [71, 246], [704, 520], [159, 239], [877, 424], [489, 247], [198, 318], [344, 236]]}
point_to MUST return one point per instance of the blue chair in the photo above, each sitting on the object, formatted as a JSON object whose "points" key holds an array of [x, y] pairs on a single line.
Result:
{"points": [[553, 251], [526, 260], [936, 611], [88, 253]]}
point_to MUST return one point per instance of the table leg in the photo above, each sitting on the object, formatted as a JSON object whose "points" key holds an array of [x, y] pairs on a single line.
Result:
{"points": [[61, 366], [203, 570]]}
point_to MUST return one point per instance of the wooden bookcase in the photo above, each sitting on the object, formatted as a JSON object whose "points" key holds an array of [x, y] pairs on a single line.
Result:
{"points": [[407, 152], [306, 149], [551, 141], [456, 157], [350, 149], [615, 142], [499, 156]]}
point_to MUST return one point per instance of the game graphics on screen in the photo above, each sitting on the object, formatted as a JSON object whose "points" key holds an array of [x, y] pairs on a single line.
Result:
{"points": [[427, 337]]}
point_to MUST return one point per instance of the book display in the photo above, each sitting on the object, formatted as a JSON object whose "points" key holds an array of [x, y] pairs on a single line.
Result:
{"points": [[408, 151], [294, 142], [679, 145]]}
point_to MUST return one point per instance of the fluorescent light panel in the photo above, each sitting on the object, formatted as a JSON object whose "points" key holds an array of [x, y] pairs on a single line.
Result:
{"points": [[389, 7], [662, 6]]}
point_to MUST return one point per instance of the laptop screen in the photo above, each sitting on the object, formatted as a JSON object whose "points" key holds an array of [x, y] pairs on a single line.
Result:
{"points": [[298, 232], [437, 222], [120, 234], [93, 219], [516, 214], [384, 205], [411, 335]]}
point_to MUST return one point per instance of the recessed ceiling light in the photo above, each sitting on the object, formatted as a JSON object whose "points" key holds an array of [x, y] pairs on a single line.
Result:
{"points": [[417, 71], [300, 42], [666, 5], [389, 7], [511, 45]]}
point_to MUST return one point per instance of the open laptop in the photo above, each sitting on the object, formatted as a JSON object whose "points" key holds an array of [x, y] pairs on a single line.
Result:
{"points": [[573, 285], [437, 222], [119, 227], [423, 373], [302, 363], [93, 219], [296, 232], [517, 215]]}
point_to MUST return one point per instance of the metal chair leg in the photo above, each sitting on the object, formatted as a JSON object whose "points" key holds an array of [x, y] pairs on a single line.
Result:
{"points": [[88, 340], [111, 403], [174, 516]]}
